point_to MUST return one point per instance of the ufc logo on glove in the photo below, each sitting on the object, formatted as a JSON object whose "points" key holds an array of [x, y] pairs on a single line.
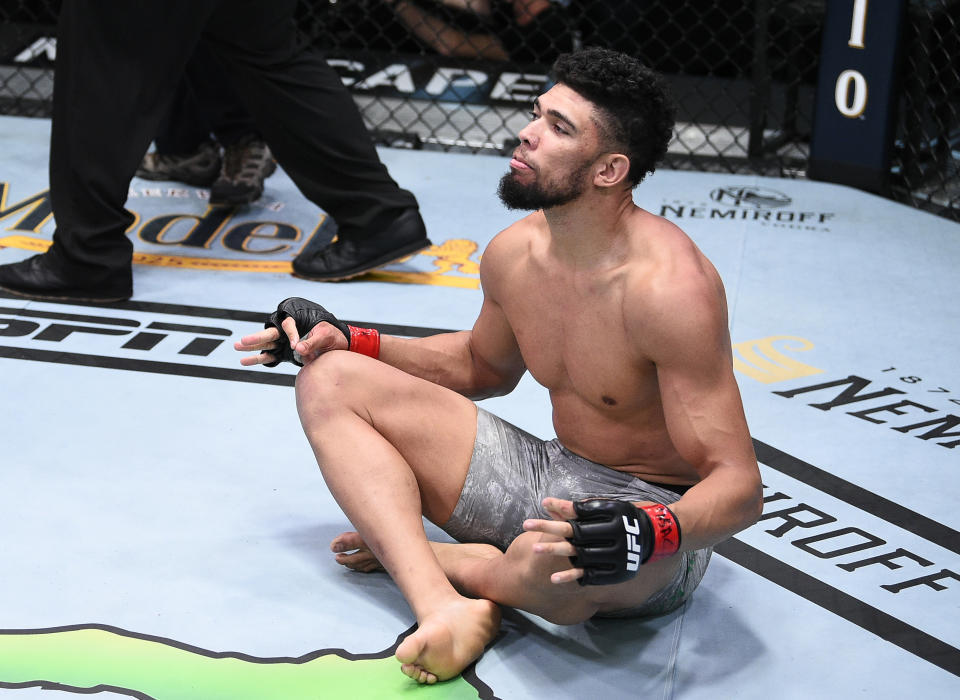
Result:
{"points": [[614, 538], [634, 548]]}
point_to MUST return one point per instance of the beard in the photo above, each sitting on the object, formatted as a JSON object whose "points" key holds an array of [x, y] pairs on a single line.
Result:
{"points": [[516, 195]]}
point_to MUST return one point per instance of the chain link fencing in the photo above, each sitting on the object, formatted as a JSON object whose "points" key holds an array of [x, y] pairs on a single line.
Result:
{"points": [[461, 74], [27, 49]]}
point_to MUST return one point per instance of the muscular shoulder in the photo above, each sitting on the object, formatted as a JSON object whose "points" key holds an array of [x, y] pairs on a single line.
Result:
{"points": [[509, 250], [674, 295]]}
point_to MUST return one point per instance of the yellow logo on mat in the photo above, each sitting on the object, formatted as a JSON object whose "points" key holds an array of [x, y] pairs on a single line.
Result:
{"points": [[760, 360], [452, 256]]}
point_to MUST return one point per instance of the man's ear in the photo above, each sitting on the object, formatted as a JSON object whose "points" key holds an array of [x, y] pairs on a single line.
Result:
{"points": [[612, 169]]}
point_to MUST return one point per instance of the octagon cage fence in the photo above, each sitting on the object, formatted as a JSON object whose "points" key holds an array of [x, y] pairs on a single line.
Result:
{"points": [[460, 75]]}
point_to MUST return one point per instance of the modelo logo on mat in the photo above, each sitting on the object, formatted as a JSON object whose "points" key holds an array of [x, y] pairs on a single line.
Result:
{"points": [[264, 237]]}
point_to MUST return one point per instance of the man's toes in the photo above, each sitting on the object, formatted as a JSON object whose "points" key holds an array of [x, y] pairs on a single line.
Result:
{"points": [[418, 674], [359, 561], [346, 541]]}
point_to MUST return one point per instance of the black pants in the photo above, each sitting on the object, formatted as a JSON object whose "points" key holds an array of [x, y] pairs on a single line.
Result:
{"points": [[118, 64], [204, 102]]}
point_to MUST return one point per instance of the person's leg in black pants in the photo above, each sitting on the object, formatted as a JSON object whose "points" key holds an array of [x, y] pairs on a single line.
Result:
{"points": [[217, 102], [185, 125], [185, 150], [205, 115], [317, 134], [118, 64], [247, 159], [117, 67]]}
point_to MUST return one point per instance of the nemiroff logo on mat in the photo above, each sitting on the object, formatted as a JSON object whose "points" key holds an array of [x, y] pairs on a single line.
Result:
{"points": [[764, 205]]}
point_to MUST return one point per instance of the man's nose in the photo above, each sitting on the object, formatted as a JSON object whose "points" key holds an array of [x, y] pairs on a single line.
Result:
{"points": [[528, 135]]}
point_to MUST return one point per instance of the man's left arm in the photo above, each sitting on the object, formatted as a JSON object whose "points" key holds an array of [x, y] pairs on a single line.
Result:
{"points": [[705, 420]]}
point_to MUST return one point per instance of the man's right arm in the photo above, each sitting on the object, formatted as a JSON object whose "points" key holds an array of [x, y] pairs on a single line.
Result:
{"points": [[482, 362]]}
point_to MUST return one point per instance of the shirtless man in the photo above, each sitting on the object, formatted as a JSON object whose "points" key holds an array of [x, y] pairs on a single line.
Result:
{"points": [[622, 318]]}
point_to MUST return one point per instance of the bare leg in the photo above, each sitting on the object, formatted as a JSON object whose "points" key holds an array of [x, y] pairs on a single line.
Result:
{"points": [[352, 552], [393, 448], [520, 578], [473, 568]]}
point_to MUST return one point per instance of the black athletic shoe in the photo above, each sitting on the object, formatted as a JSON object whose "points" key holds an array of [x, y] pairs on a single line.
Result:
{"points": [[199, 169], [246, 165], [346, 258], [36, 278]]}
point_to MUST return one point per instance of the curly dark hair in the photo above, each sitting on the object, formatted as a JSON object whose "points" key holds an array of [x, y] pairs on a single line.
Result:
{"points": [[636, 110]]}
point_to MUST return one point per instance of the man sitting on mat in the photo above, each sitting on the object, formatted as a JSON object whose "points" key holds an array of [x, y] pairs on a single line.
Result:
{"points": [[622, 318]]}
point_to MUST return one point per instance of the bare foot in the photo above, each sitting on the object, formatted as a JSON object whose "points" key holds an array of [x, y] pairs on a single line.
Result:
{"points": [[448, 640], [353, 553]]}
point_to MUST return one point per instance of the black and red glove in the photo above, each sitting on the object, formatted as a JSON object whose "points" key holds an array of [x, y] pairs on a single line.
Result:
{"points": [[613, 538], [306, 314]]}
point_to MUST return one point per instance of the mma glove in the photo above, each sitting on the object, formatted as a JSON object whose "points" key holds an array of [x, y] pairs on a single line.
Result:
{"points": [[307, 314], [613, 538]]}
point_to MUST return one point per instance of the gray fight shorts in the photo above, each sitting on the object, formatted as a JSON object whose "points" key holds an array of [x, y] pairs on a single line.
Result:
{"points": [[511, 472]]}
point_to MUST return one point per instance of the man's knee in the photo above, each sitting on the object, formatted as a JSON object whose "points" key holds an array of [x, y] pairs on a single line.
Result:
{"points": [[330, 382]]}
